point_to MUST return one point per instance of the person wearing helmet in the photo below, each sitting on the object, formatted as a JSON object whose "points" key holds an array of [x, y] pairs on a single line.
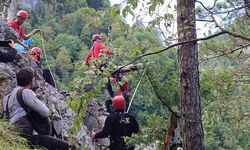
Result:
{"points": [[118, 126], [22, 15], [122, 90], [35, 53], [96, 50]]}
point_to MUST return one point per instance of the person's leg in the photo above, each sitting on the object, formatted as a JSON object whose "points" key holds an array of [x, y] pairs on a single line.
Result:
{"points": [[24, 126], [108, 104], [50, 142]]}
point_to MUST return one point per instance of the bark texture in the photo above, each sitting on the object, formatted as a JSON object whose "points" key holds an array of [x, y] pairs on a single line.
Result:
{"points": [[189, 77]]}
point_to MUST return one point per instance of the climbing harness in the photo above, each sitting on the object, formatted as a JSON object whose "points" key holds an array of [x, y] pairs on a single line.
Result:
{"points": [[47, 59], [136, 90]]}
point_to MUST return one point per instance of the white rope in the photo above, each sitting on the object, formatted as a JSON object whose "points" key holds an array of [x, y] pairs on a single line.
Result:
{"points": [[130, 103], [47, 59]]}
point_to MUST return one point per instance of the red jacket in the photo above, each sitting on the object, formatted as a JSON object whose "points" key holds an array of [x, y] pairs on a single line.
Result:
{"points": [[18, 28], [96, 49], [123, 87]]}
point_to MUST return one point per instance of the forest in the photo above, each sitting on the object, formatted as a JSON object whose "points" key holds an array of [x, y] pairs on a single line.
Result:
{"points": [[204, 78]]}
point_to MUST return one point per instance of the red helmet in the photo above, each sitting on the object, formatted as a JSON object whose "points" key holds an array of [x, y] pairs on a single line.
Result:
{"points": [[23, 14], [35, 50], [96, 36], [119, 102]]}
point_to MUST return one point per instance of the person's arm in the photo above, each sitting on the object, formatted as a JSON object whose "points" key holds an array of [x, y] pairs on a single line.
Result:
{"points": [[134, 125], [105, 49], [26, 37], [89, 55], [30, 99], [106, 131], [23, 45]]}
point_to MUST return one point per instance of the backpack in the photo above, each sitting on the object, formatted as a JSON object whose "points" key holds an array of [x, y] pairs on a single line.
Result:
{"points": [[41, 124]]}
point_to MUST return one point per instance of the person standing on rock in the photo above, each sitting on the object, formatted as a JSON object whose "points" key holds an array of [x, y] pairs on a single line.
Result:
{"points": [[22, 15], [96, 51], [118, 126], [18, 115]]}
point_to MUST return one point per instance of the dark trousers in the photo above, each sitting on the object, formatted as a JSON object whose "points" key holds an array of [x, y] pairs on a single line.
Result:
{"points": [[119, 145], [25, 128]]}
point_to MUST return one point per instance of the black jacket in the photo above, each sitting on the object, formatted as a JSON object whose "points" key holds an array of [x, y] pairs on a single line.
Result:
{"points": [[118, 124]]}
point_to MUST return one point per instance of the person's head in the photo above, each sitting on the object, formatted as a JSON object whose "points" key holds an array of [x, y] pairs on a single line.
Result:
{"points": [[36, 52], [119, 103], [96, 37], [22, 15], [25, 77]]}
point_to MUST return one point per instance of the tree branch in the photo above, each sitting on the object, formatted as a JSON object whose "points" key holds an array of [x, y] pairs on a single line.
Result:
{"points": [[230, 33], [227, 53], [171, 46], [159, 97]]}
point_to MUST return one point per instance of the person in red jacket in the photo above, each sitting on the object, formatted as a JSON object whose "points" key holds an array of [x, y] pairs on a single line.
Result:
{"points": [[96, 50], [22, 15]]}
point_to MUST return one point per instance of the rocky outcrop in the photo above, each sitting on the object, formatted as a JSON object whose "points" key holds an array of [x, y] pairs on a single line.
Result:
{"points": [[63, 116]]}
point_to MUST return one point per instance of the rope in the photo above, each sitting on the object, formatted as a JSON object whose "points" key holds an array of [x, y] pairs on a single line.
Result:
{"points": [[130, 103], [47, 59]]}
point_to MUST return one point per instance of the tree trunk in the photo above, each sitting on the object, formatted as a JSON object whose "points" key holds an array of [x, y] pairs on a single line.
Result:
{"points": [[12, 10], [192, 132]]}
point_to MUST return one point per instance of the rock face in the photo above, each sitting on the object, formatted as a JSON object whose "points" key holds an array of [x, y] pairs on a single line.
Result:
{"points": [[63, 116]]}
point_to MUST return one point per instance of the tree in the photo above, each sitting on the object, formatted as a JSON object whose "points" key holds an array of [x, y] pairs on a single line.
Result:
{"points": [[189, 77]]}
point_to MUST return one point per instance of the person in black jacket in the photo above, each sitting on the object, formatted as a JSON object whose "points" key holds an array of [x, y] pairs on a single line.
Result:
{"points": [[118, 126]]}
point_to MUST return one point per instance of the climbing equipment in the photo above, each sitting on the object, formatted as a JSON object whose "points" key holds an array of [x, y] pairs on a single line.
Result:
{"points": [[130, 103], [47, 59]]}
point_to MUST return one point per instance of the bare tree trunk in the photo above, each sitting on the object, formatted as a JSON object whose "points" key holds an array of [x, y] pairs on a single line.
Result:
{"points": [[12, 10], [189, 77]]}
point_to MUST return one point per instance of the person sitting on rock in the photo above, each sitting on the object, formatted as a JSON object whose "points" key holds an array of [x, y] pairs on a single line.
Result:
{"points": [[18, 116], [118, 126], [22, 15]]}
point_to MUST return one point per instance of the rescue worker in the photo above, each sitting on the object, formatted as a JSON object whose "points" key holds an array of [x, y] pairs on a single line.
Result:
{"points": [[36, 53], [122, 90], [96, 51], [17, 114], [22, 15], [118, 126]]}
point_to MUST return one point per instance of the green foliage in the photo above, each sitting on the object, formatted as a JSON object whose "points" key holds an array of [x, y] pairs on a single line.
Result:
{"points": [[9, 138]]}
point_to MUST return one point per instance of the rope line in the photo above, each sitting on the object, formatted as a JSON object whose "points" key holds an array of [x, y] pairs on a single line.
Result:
{"points": [[130, 103], [47, 59]]}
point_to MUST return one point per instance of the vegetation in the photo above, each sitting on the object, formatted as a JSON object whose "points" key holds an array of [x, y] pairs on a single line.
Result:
{"points": [[224, 67]]}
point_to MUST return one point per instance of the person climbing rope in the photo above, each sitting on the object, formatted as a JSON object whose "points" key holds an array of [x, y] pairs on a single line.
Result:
{"points": [[22, 15], [96, 51], [18, 109], [122, 90], [118, 126]]}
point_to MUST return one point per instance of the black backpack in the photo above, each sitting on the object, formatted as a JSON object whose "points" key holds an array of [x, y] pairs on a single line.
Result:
{"points": [[41, 124]]}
